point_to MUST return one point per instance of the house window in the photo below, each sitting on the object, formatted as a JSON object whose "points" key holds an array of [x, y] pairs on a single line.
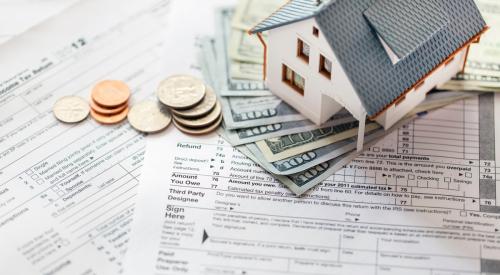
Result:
{"points": [[293, 79], [315, 32], [325, 67], [303, 50]]}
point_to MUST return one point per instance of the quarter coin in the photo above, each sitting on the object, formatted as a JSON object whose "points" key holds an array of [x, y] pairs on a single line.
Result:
{"points": [[198, 131], [71, 109], [149, 116], [112, 119], [181, 91], [110, 93], [106, 111], [202, 121], [203, 108]]}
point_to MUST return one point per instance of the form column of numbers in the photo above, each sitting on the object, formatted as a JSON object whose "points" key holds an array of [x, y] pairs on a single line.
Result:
{"points": [[405, 139], [487, 177]]}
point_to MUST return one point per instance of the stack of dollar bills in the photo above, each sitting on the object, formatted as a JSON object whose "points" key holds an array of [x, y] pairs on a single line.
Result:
{"points": [[482, 71], [295, 151]]}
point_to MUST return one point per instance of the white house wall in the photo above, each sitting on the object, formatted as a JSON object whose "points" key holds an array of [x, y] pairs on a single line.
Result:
{"points": [[413, 98], [282, 49]]}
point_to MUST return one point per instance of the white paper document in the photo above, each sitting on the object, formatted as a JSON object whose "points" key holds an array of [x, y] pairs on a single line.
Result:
{"points": [[424, 200], [17, 16], [67, 191]]}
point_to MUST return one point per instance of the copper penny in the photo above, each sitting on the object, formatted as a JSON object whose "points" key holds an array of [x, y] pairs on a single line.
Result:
{"points": [[113, 119], [198, 131], [110, 93], [107, 111]]}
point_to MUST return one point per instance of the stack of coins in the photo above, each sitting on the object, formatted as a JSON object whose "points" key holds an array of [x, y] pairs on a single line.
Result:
{"points": [[109, 101], [193, 105]]}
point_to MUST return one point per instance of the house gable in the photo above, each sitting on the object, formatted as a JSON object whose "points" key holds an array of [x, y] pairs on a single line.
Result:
{"points": [[323, 96]]}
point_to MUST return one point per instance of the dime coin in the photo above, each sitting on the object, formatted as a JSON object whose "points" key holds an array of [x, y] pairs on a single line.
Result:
{"points": [[203, 108], [202, 121], [181, 91], [149, 116], [113, 119], [107, 111], [198, 131], [71, 109], [110, 93]]}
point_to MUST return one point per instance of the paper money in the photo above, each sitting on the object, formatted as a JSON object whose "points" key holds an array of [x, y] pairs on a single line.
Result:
{"points": [[246, 48], [252, 134], [250, 12], [245, 112], [283, 147], [482, 70], [472, 82], [229, 85], [307, 160], [301, 182], [305, 180], [244, 70]]}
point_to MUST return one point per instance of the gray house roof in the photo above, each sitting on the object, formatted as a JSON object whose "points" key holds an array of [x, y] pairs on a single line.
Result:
{"points": [[422, 33], [293, 11]]}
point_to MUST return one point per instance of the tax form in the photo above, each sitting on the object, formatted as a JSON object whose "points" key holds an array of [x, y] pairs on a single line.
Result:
{"points": [[67, 191], [17, 16], [424, 200]]}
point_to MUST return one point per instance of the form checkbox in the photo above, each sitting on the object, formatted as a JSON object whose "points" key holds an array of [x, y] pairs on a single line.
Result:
{"points": [[468, 175], [34, 176], [411, 177], [376, 149], [39, 181], [29, 172], [447, 179], [463, 214]]}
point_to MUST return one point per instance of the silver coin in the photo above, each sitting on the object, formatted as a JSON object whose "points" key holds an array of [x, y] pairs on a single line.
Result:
{"points": [[201, 122], [181, 91], [71, 109], [203, 108], [149, 117], [199, 131]]}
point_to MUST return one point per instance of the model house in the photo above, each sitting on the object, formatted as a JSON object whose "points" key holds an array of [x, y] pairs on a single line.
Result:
{"points": [[375, 58]]}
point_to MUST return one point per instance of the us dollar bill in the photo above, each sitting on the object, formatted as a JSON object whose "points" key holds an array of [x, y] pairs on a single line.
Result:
{"points": [[244, 70], [433, 101], [473, 82], [231, 86], [482, 70], [246, 112], [301, 182], [307, 160], [251, 12], [253, 134], [307, 179], [284, 147], [245, 48]]}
